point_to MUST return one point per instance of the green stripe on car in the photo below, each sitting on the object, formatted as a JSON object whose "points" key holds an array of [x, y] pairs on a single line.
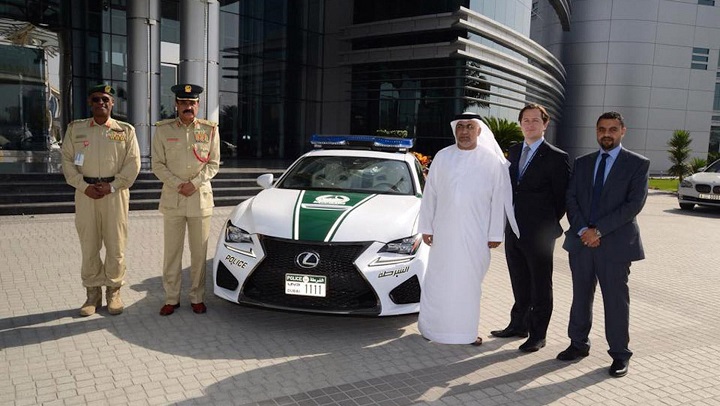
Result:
{"points": [[318, 214]]}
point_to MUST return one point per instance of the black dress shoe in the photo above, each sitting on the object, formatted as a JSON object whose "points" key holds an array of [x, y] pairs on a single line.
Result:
{"points": [[572, 353], [509, 332], [619, 368], [532, 345]]}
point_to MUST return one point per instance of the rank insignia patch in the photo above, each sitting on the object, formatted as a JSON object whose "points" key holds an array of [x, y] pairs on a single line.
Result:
{"points": [[201, 136]]}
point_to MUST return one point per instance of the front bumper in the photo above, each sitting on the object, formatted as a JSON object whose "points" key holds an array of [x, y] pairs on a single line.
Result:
{"points": [[359, 280], [689, 195]]}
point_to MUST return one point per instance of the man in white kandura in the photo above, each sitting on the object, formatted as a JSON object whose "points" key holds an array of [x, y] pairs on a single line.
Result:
{"points": [[465, 203]]}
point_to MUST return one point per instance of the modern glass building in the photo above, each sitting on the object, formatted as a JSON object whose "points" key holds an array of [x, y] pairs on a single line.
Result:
{"points": [[655, 61], [275, 71]]}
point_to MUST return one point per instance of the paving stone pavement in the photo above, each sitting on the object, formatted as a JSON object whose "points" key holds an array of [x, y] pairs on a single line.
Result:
{"points": [[249, 356]]}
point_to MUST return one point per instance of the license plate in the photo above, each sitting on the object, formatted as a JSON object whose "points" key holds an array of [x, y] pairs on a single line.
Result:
{"points": [[305, 285], [709, 197]]}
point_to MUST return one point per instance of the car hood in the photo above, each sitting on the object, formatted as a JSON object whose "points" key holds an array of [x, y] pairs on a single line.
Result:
{"points": [[329, 216], [705, 177]]}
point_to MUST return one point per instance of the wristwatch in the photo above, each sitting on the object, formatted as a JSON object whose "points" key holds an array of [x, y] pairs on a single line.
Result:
{"points": [[598, 233]]}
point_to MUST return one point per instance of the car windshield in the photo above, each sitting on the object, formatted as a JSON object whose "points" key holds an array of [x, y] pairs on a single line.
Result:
{"points": [[714, 167], [350, 174]]}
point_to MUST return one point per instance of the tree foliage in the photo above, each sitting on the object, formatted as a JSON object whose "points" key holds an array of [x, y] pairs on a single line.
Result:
{"points": [[697, 163], [679, 151], [507, 133], [713, 156], [476, 86]]}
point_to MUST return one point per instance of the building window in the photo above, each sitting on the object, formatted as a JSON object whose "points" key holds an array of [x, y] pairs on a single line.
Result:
{"points": [[168, 77], [534, 9], [706, 2], [716, 103], [714, 144], [699, 56]]}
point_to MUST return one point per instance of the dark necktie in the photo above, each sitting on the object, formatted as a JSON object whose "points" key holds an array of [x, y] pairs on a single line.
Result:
{"points": [[523, 161], [597, 188]]}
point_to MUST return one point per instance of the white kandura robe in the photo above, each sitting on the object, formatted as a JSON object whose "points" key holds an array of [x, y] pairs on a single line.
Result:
{"points": [[463, 207]]}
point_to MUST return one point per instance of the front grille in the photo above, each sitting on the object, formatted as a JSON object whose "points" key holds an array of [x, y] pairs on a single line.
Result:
{"points": [[347, 290], [702, 188], [716, 190], [406, 292]]}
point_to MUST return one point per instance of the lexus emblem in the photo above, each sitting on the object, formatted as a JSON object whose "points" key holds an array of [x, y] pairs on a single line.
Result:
{"points": [[307, 259]]}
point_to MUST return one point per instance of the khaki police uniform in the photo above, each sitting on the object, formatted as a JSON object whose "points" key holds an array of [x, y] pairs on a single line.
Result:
{"points": [[185, 153], [94, 152]]}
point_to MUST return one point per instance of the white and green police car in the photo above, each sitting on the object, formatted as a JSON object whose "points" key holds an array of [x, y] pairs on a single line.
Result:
{"points": [[337, 233]]}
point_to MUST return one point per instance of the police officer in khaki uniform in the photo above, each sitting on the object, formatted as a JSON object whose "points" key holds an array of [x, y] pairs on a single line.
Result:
{"points": [[185, 156], [101, 159]]}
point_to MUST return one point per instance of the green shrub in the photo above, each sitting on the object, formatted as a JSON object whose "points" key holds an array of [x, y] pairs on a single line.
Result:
{"points": [[391, 133]]}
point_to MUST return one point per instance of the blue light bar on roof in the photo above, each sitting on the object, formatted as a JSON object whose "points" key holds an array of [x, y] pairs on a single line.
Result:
{"points": [[361, 141]]}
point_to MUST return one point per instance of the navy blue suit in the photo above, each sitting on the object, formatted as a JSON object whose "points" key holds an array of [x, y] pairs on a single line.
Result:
{"points": [[539, 202], [623, 197]]}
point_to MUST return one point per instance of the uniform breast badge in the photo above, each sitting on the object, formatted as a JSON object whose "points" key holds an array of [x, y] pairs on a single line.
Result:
{"points": [[201, 136], [117, 135]]}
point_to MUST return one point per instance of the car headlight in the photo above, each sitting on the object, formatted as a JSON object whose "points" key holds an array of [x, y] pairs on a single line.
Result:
{"points": [[236, 234], [686, 183], [407, 245]]}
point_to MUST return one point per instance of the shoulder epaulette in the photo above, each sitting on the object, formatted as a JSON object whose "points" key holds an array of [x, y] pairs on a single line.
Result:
{"points": [[164, 122], [124, 124], [79, 121], [207, 122]]}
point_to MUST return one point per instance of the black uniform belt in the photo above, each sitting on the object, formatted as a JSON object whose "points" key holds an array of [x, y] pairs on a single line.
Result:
{"points": [[93, 181]]}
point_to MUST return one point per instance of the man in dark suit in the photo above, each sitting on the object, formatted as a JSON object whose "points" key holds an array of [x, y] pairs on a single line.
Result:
{"points": [[607, 190], [539, 173]]}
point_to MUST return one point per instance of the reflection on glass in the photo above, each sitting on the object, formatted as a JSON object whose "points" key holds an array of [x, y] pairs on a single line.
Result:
{"points": [[350, 174], [28, 106]]}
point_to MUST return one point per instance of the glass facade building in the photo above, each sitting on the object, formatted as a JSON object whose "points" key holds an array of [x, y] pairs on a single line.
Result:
{"points": [[655, 61], [286, 68]]}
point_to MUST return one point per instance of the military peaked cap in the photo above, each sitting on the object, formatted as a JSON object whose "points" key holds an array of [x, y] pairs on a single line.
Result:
{"points": [[187, 91], [102, 88]]}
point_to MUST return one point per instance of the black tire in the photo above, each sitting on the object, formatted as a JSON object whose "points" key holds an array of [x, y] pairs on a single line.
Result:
{"points": [[687, 206]]}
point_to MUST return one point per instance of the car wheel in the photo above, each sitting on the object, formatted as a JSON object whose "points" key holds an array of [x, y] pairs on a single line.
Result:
{"points": [[687, 206]]}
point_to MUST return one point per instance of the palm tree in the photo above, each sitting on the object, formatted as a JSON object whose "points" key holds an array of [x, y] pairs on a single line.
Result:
{"points": [[507, 133], [696, 164], [476, 86], [679, 152]]}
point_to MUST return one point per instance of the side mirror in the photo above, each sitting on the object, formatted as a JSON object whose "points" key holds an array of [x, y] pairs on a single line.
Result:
{"points": [[265, 181]]}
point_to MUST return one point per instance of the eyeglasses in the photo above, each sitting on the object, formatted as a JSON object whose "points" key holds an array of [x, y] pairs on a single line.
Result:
{"points": [[99, 99]]}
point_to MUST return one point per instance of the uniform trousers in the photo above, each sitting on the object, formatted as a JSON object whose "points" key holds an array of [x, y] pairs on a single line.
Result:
{"points": [[198, 234], [102, 222], [588, 267]]}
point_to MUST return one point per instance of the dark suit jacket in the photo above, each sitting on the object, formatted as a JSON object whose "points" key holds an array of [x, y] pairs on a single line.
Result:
{"points": [[539, 197], [623, 196]]}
